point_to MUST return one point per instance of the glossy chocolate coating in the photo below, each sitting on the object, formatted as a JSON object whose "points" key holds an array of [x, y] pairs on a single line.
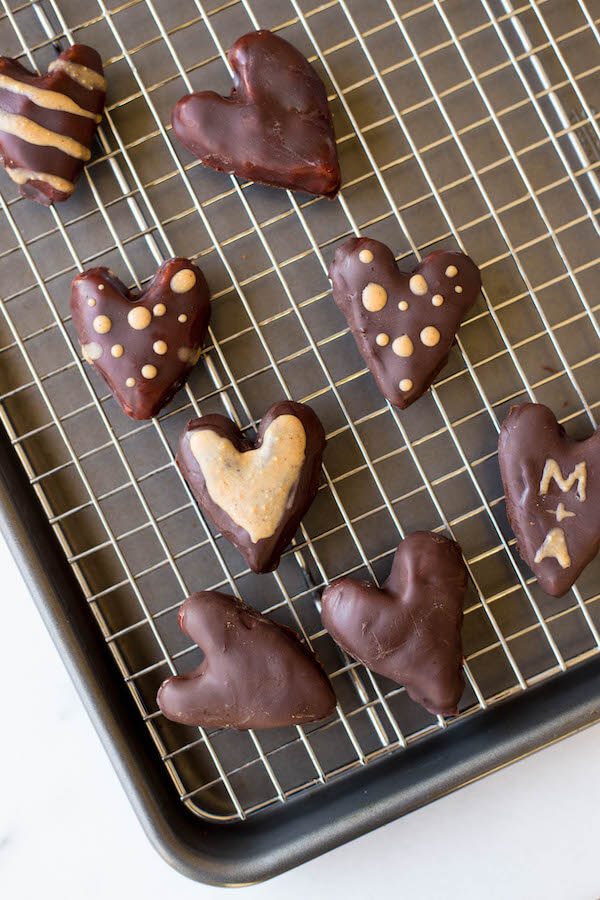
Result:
{"points": [[409, 630], [275, 127], [22, 158], [255, 674], [167, 345], [429, 327], [264, 554], [538, 507]]}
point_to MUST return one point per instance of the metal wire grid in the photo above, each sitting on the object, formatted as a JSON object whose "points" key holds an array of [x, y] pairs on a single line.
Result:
{"points": [[443, 82]]}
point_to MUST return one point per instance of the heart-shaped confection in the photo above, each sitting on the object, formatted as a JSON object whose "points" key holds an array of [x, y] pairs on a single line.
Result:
{"points": [[409, 630], [255, 674], [255, 493], [275, 127], [404, 324], [48, 122], [145, 345], [552, 488]]}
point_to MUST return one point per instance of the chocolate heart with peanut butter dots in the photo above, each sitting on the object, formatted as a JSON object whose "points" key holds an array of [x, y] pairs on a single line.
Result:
{"points": [[410, 629], [145, 345], [255, 492], [404, 324], [276, 125], [48, 122], [552, 488], [255, 673]]}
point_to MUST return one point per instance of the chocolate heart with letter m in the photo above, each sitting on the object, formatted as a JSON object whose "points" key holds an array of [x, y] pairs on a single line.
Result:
{"points": [[145, 345], [255, 674], [409, 630], [404, 323], [275, 127], [255, 493], [48, 122], [552, 488]]}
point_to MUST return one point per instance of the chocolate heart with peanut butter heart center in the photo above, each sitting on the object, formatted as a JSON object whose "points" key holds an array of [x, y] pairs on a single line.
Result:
{"points": [[255, 493], [143, 346], [409, 630], [256, 674], [404, 324], [552, 488], [48, 122], [275, 127]]}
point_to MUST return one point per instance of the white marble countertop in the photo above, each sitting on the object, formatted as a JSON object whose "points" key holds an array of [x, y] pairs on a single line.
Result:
{"points": [[67, 830]]}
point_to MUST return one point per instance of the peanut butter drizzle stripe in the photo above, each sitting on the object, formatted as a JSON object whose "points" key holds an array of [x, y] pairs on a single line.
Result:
{"points": [[36, 134], [46, 99], [87, 78], [20, 176]]}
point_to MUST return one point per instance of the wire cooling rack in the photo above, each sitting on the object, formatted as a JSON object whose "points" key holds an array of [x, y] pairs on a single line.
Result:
{"points": [[470, 125]]}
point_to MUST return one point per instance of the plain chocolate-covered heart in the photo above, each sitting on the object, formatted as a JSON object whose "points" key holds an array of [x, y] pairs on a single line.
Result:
{"points": [[404, 323], [48, 122], [145, 345], [410, 629], [552, 488], [276, 125], [255, 492], [255, 674]]}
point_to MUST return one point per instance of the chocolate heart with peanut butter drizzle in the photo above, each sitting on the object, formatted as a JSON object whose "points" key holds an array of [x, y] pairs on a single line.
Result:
{"points": [[48, 122], [404, 324], [145, 345], [410, 629], [255, 493], [552, 488]]}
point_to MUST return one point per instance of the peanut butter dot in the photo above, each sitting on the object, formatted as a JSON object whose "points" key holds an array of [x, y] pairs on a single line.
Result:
{"points": [[430, 336], [382, 339], [182, 318], [374, 297], [102, 324], [117, 350], [403, 346], [130, 382], [183, 281], [437, 300], [160, 347], [139, 317], [403, 305], [160, 309], [451, 272], [458, 289], [91, 301], [406, 384], [149, 372], [418, 285], [365, 256]]}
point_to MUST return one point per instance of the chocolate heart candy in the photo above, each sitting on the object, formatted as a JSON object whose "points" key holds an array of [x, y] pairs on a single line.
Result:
{"points": [[404, 324], [255, 493], [255, 674], [145, 345], [275, 127], [48, 122], [552, 487], [409, 630]]}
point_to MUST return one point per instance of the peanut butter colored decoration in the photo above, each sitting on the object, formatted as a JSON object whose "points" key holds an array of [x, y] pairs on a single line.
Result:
{"points": [[183, 281], [430, 336], [91, 351], [374, 297], [149, 372], [159, 310], [32, 133], [418, 285], [102, 324], [20, 176], [554, 547], [552, 471], [87, 78], [139, 317], [403, 346], [253, 488], [365, 256], [46, 99], [160, 347], [117, 351], [451, 272], [403, 306], [382, 340], [406, 384], [437, 300]]}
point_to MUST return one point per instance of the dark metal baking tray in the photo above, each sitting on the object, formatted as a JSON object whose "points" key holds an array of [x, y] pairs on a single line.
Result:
{"points": [[459, 124]]}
